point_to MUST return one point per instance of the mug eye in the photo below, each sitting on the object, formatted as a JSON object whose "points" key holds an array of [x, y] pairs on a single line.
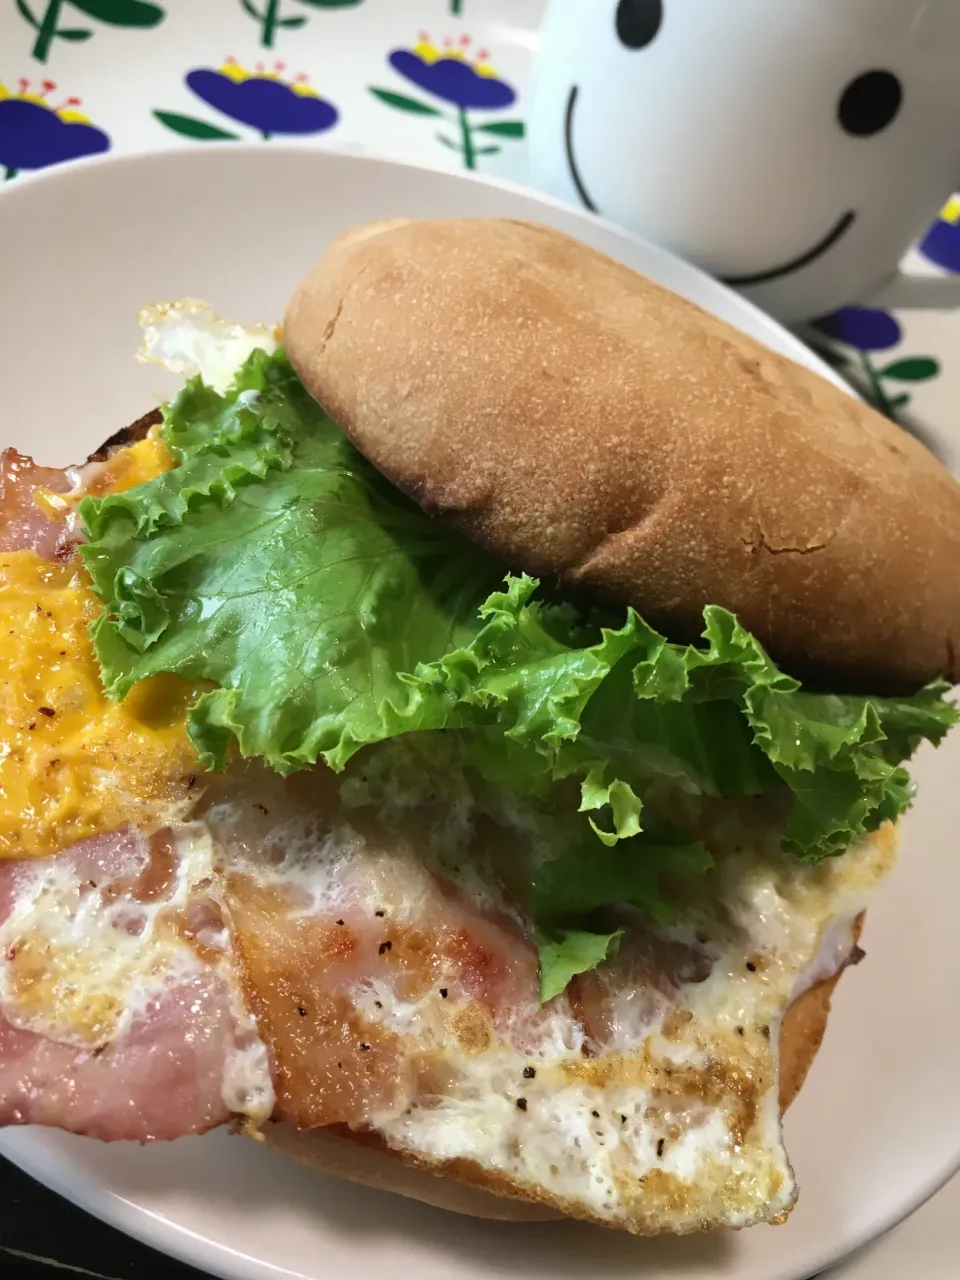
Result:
{"points": [[869, 103], [638, 21]]}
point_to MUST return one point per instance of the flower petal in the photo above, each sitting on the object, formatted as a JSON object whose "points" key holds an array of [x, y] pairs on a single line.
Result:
{"points": [[33, 136], [941, 245], [265, 104], [866, 328]]}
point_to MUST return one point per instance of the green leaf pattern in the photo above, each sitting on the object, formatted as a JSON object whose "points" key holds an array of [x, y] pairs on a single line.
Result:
{"points": [[116, 13], [913, 369], [503, 128], [862, 371], [191, 127], [402, 103], [271, 19]]}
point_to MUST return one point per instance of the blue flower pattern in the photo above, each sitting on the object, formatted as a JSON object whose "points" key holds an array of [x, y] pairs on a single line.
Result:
{"points": [[261, 99], [867, 331], [454, 80], [462, 82], [263, 103], [34, 134], [941, 244]]}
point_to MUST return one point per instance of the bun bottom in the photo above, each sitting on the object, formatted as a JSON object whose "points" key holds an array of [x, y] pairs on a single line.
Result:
{"points": [[371, 1164], [464, 1187]]}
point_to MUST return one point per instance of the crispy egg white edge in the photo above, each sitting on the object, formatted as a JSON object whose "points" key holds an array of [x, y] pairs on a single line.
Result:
{"points": [[187, 337]]}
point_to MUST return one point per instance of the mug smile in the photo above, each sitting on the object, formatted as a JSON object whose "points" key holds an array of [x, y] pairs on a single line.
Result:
{"points": [[571, 159], [839, 229]]}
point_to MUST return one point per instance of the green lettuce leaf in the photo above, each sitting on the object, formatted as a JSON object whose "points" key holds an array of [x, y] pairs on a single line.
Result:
{"points": [[305, 591], [330, 613], [570, 887], [571, 951]]}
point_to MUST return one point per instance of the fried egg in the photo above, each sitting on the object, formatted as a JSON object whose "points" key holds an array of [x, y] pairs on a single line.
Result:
{"points": [[648, 1098]]}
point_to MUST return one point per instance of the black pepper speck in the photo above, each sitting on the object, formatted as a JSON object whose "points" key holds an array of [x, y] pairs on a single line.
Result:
{"points": [[384, 946], [529, 1073], [522, 1104], [660, 1149]]}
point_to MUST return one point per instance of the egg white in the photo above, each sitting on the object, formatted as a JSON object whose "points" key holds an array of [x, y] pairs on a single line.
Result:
{"points": [[188, 337]]}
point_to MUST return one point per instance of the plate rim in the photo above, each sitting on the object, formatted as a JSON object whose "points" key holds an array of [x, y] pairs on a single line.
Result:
{"points": [[64, 173], [176, 1241]]}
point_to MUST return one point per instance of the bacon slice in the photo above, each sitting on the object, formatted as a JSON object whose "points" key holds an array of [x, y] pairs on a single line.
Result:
{"points": [[120, 1014], [639, 988], [161, 1080], [24, 526]]}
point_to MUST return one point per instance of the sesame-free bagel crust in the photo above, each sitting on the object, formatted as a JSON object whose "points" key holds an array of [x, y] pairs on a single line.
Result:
{"points": [[581, 421]]}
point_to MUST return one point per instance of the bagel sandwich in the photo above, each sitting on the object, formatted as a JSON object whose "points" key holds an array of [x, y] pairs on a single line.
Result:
{"points": [[457, 738]]}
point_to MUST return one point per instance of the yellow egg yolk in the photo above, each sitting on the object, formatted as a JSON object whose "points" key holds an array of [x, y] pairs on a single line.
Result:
{"points": [[73, 763], [130, 466], [125, 468]]}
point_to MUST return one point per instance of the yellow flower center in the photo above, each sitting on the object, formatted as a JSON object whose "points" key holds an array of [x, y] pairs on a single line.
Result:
{"points": [[67, 111], [429, 53], [233, 71]]}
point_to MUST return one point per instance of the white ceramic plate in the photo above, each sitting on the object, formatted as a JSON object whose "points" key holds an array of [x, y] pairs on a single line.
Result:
{"points": [[877, 1128]]}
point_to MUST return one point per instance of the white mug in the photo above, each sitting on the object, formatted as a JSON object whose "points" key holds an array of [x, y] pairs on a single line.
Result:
{"points": [[794, 148]]}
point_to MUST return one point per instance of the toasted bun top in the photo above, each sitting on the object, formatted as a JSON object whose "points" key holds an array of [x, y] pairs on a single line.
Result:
{"points": [[582, 421]]}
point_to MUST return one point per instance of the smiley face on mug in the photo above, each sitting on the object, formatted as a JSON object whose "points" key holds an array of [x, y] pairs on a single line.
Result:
{"points": [[787, 148]]}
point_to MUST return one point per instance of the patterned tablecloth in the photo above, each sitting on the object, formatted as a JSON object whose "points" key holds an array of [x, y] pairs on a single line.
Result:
{"points": [[441, 82]]}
